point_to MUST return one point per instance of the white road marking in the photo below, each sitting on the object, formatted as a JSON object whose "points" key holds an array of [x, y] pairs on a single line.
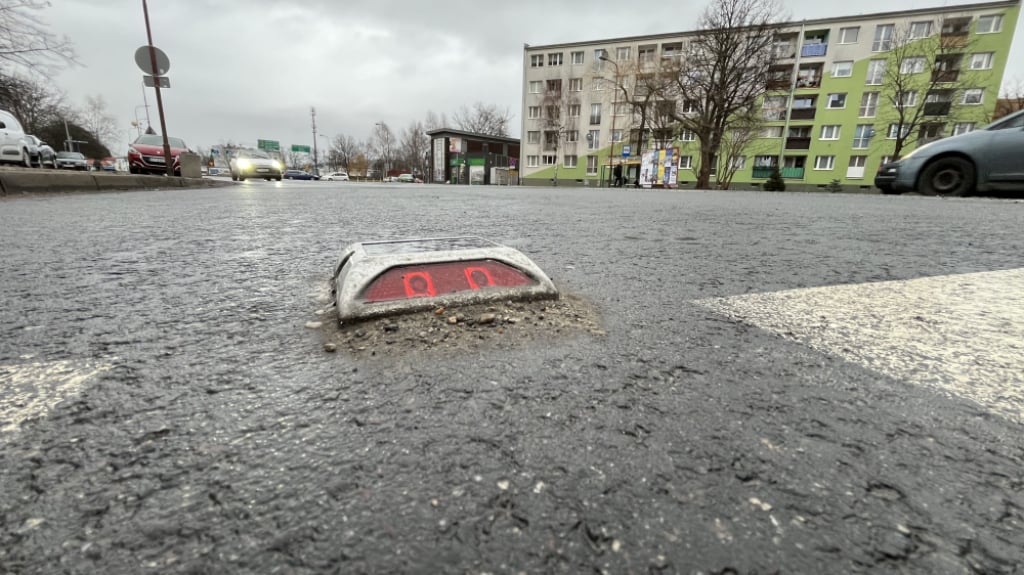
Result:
{"points": [[30, 390], [962, 334]]}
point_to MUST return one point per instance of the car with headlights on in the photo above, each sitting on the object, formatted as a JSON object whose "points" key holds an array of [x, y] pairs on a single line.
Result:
{"points": [[985, 160], [254, 164], [146, 154]]}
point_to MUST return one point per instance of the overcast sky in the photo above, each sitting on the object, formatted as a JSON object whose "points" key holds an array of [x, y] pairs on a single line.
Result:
{"points": [[247, 69]]}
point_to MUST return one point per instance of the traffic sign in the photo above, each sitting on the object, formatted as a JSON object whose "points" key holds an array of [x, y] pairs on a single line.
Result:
{"points": [[297, 148], [148, 81], [268, 145], [392, 277], [145, 63], [626, 150]]}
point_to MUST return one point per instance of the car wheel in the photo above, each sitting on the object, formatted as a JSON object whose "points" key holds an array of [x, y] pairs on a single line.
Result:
{"points": [[241, 177], [278, 178], [951, 176], [26, 160]]}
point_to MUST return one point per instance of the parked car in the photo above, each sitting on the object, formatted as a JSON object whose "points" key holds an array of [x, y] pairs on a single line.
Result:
{"points": [[254, 164], [985, 160], [336, 176], [14, 146], [146, 154], [299, 175], [71, 161], [43, 154], [407, 178]]}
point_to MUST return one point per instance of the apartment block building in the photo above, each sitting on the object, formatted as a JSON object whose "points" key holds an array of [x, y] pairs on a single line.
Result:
{"points": [[836, 98]]}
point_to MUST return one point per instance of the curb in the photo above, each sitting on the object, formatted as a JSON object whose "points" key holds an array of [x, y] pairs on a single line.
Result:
{"points": [[14, 182]]}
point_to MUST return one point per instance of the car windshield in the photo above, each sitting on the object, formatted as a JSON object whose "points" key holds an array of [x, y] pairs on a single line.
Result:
{"points": [[72, 155], [153, 140], [1008, 123]]}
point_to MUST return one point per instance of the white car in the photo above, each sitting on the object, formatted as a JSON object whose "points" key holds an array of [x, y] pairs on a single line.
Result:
{"points": [[14, 146], [335, 176], [255, 164]]}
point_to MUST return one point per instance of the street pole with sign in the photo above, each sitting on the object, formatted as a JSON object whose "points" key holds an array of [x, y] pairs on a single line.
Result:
{"points": [[157, 72]]}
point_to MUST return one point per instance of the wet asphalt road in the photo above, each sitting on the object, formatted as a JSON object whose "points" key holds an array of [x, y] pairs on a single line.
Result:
{"points": [[167, 411]]}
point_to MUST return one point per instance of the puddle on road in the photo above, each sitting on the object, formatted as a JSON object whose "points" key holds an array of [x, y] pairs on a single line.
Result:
{"points": [[463, 328]]}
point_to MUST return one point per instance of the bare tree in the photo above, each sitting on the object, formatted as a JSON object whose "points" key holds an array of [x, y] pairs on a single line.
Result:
{"points": [[486, 119], [560, 109], [343, 149], [415, 148], [32, 102], [383, 141], [1011, 100], [435, 121], [732, 157], [26, 41], [98, 120], [921, 79], [720, 74]]}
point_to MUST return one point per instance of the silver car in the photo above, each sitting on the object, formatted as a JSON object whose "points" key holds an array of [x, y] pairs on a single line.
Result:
{"points": [[985, 160], [71, 161], [41, 152]]}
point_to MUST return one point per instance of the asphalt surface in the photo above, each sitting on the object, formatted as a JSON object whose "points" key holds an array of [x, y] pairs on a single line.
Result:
{"points": [[758, 398]]}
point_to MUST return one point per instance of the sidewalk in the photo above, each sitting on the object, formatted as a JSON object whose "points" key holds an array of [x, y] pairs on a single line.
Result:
{"points": [[17, 181]]}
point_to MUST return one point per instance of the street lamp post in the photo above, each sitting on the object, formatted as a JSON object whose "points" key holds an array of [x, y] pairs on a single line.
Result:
{"points": [[615, 103]]}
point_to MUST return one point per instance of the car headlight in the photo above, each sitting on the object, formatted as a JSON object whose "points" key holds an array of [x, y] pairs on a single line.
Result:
{"points": [[277, 165], [244, 164]]}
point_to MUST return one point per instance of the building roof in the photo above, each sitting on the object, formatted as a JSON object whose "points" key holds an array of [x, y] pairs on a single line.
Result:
{"points": [[952, 9], [472, 135]]}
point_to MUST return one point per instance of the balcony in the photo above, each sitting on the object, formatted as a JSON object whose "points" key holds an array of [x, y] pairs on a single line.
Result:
{"points": [[793, 173], [945, 75], [798, 143], [808, 82], [937, 108], [813, 50], [784, 51], [802, 113], [774, 115]]}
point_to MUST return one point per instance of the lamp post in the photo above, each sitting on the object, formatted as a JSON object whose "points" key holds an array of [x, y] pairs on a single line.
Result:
{"points": [[615, 103]]}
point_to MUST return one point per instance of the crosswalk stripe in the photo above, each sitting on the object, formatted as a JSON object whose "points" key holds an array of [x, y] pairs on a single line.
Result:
{"points": [[962, 334]]}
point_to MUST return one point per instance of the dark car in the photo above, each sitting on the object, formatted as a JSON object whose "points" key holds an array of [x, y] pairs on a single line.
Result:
{"points": [[41, 153], [985, 160], [72, 161], [146, 154], [299, 175]]}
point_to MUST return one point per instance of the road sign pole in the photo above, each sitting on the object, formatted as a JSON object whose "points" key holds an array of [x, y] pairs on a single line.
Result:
{"points": [[156, 86]]}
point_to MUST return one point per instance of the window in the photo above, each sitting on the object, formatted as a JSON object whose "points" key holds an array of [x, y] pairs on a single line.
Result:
{"points": [[906, 99], [550, 140], [620, 108], [842, 69], [591, 166], [600, 55], [836, 101], [555, 59], [688, 136], [855, 169], [932, 131], [862, 136], [912, 65], [830, 132], [555, 86], [549, 159], [775, 102], [766, 161], [572, 136], [973, 96], [920, 30], [595, 114], [535, 86], [771, 132], [990, 24], [533, 112], [532, 137], [577, 57], [616, 135], [737, 162], [982, 61], [868, 105], [575, 84], [574, 110], [623, 53], [849, 35], [883, 37], [691, 106], [876, 72], [531, 161], [895, 130], [647, 53], [685, 162], [824, 162], [552, 112], [963, 128], [537, 61], [597, 84], [593, 139], [570, 161]]}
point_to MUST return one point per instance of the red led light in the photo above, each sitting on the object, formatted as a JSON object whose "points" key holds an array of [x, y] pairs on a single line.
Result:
{"points": [[432, 280]]}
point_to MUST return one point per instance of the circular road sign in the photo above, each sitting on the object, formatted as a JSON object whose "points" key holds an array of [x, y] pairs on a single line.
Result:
{"points": [[142, 58]]}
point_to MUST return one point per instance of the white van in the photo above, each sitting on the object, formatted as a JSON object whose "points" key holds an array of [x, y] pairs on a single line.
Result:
{"points": [[13, 143]]}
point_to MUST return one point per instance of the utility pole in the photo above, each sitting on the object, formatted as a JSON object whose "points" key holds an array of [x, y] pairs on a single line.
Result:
{"points": [[316, 169], [156, 86]]}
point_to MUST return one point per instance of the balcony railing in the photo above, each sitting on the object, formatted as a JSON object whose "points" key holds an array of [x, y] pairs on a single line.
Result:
{"points": [[793, 173], [778, 83], [774, 115], [763, 172], [945, 75], [808, 82], [813, 50], [784, 51], [798, 143], [802, 113], [953, 39], [937, 108]]}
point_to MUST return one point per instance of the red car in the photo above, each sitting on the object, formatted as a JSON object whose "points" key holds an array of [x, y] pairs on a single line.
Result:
{"points": [[146, 154]]}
